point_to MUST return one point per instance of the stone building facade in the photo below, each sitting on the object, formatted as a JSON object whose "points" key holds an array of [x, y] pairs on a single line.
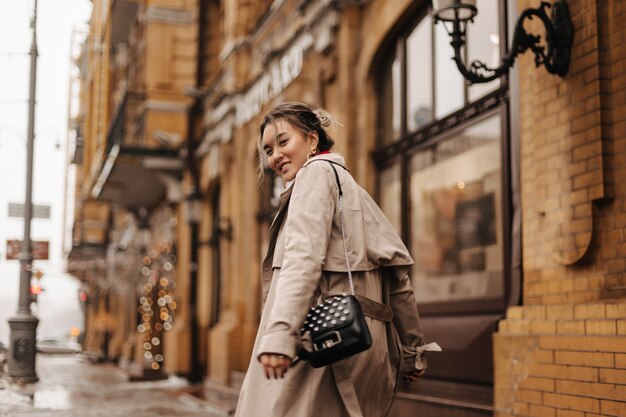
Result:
{"points": [[135, 64], [507, 193]]}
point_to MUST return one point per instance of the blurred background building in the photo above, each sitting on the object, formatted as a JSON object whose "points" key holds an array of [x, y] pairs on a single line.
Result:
{"points": [[507, 193]]}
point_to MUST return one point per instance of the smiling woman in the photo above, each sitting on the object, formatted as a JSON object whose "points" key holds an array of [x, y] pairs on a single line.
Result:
{"points": [[313, 252], [290, 135], [287, 149]]}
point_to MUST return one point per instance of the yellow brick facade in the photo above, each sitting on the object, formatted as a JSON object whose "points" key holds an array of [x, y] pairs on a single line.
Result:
{"points": [[561, 360], [560, 354]]}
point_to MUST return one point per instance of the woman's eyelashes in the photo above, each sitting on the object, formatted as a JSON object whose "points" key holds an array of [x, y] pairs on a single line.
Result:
{"points": [[281, 142]]}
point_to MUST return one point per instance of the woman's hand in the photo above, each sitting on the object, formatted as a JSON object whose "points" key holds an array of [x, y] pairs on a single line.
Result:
{"points": [[274, 365], [412, 376]]}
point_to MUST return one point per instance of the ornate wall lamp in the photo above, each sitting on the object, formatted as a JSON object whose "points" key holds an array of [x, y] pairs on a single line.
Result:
{"points": [[455, 15]]}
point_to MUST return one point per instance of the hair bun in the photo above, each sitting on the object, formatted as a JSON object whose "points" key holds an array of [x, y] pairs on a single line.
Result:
{"points": [[325, 118]]}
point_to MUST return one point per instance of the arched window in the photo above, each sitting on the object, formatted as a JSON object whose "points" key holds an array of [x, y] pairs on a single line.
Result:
{"points": [[443, 180]]}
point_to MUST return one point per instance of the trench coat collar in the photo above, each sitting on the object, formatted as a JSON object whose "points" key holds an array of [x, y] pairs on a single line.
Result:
{"points": [[332, 157], [284, 205]]}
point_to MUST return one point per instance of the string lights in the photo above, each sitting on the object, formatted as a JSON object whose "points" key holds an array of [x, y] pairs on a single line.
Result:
{"points": [[156, 304]]}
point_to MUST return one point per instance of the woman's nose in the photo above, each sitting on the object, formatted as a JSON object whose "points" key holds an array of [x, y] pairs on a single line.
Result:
{"points": [[277, 156]]}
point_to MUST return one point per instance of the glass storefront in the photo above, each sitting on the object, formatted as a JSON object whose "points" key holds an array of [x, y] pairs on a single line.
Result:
{"points": [[443, 180], [455, 194]]}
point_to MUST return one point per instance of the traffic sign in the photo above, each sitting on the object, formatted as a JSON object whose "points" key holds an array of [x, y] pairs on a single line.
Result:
{"points": [[39, 249]]}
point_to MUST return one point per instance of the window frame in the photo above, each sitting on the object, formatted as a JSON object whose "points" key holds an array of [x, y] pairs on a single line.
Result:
{"points": [[400, 151]]}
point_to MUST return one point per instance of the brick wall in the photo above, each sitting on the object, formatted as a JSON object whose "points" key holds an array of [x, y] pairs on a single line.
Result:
{"points": [[562, 361], [615, 250], [563, 352]]}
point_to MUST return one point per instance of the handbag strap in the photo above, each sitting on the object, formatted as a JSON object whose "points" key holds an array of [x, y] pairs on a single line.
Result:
{"points": [[340, 208]]}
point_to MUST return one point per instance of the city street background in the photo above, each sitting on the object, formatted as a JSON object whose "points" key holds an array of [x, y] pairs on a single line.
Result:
{"points": [[57, 21], [509, 194]]}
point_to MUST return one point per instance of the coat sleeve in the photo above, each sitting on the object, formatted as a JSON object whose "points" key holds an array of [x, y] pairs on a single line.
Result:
{"points": [[307, 232], [406, 320]]}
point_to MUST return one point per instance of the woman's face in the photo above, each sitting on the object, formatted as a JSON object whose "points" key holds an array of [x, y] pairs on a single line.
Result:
{"points": [[286, 148]]}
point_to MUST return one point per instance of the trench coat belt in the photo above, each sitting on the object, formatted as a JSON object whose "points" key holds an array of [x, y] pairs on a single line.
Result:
{"points": [[345, 386], [371, 308], [374, 309], [341, 371]]}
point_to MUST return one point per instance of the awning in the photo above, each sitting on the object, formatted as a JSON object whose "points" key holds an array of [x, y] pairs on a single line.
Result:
{"points": [[86, 260], [136, 172], [136, 178]]}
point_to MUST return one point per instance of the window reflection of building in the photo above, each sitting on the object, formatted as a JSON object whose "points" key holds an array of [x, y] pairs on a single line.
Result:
{"points": [[419, 77], [455, 189], [420, 85]]}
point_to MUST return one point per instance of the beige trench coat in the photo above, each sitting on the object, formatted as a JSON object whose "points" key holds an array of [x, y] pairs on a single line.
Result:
{"points": [[305, 260]]}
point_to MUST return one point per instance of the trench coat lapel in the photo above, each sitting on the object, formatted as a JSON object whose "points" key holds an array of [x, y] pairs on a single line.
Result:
{"points": [[274, 228]]}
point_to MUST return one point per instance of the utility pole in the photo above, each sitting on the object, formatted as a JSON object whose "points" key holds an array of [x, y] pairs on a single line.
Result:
{"points": [[22, 348]]}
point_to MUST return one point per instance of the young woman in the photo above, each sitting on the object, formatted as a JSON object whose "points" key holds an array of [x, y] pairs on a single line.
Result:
{"points": [[306, 262]]}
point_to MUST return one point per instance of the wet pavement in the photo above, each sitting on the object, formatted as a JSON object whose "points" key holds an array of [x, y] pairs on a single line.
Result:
{"points": [[71, 386]]}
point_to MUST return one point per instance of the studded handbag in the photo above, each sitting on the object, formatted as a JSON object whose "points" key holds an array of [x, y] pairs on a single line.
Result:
{"points": [[335, 329]]}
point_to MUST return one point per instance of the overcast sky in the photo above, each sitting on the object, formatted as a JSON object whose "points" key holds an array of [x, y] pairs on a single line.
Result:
{"points": [[57, 20]]}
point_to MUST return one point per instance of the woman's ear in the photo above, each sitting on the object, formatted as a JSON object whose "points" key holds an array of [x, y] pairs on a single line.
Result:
{"points": [[314, 139]]}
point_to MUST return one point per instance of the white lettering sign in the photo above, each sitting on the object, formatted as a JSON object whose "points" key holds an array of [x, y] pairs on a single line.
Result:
{"points": [[279, 75]]}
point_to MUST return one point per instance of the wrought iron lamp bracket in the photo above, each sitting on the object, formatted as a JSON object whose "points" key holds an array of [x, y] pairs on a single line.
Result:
{"points": [[559, 37]]}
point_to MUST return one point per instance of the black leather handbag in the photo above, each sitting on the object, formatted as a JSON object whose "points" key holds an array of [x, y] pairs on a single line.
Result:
{"points": [[336, 328]]}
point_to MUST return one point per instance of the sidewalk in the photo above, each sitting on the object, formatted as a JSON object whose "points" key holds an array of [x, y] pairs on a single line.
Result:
{"points": [[70, 386]]}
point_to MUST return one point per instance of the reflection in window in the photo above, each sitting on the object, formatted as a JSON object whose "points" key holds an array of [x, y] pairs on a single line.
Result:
{"points": [[391, 102], [421, 71], [390, 197], [455, 192], [483, 44], [419, 76], [449, 83], [452, 182]]}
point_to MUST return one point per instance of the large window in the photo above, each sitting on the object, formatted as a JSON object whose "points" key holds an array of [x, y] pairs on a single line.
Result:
{"points": [[443, 180], [440, 160]]}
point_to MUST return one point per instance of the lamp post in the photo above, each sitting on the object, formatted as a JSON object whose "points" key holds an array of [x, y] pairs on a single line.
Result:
{"points": [[23, 325], [193, 206], [456, 14]]}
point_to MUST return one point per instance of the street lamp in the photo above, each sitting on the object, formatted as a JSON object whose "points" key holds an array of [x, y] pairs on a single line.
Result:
{"points": [[22, 351], [455, 15], [193, 208]]}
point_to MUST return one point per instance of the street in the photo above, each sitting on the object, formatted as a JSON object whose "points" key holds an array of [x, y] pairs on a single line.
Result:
{"points": [[71, 386]]}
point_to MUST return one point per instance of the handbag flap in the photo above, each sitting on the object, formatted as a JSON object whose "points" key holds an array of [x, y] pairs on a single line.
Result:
{"points": [[334, 313]]}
